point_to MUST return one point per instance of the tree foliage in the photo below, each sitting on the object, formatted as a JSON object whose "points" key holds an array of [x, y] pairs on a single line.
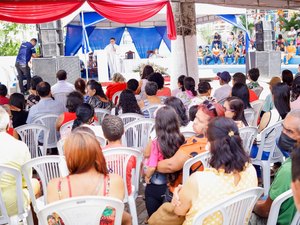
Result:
{"points": [[286, 24], [243, 21]]}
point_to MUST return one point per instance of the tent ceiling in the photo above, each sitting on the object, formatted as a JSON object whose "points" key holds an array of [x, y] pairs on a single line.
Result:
{"points": [[252, 4]]}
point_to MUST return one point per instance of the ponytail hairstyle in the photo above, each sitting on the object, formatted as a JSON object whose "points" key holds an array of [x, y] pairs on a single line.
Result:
{"points": [[98, 87], [180, 81], [281, 98], [168, 134], [226, 146], [84, 114], [189, 85]]}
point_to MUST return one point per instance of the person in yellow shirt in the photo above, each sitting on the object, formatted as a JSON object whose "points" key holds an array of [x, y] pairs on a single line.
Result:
{"points": [[291, 51]]}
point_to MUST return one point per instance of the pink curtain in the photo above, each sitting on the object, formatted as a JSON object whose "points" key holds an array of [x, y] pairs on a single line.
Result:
{"points": [[37, 11], [133, 11]]}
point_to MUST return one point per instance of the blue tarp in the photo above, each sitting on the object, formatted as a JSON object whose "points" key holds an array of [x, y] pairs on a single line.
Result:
{"points": [[91, 38], [232, 20]]}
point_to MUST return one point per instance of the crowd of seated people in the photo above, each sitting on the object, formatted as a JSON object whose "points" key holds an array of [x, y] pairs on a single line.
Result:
{"points": [[214, 117]]}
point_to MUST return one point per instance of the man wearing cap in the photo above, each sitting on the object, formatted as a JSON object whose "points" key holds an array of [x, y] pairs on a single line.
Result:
{"points": [[224, 91]]}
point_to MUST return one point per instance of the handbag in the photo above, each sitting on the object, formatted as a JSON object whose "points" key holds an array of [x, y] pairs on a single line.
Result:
{"points": [[158, 178]]}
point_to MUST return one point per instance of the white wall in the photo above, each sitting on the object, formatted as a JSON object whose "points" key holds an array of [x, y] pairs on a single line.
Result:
{"points": [[7, 70]]}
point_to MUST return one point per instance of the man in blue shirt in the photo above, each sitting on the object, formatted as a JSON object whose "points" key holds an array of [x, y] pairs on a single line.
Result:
{"points": [[26, 51]]}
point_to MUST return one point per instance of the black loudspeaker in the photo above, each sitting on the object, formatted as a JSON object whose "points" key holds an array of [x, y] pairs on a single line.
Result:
{"points": [[259, 27], [260, 46]]}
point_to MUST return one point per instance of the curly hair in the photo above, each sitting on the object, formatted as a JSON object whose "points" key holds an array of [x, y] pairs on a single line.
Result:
{"points": [[226, 146], [128, 102]]}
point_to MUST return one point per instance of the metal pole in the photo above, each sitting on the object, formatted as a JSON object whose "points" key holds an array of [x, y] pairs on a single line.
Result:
{"points": [[183, 39], [249, 58], [84, 47]]}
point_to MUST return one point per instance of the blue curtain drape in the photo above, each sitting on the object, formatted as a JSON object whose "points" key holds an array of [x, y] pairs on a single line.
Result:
{"points": [[232, 20], [73, 40], [91, 18], [145, 39], [162, 30], [99, 38]]}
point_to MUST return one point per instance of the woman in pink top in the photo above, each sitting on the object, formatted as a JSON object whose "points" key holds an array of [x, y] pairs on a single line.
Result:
{"points": [[168, 140]]}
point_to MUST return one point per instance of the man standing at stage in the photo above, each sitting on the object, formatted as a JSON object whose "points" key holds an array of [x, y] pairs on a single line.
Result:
{"points": [[26, 51], [113, 57]]}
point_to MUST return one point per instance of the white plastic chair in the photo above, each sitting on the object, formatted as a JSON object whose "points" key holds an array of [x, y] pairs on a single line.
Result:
{"points": [[235, 210], [82, 210], [202, 157], [137, 133], [248, 135], [296, 220], [23, 213], [188, 134], [149, 110], [102, 141], [258, 90], [47, 168], [116, 97], [249, 116], [275, 207], [49, 121], [257, 107], [130, 117], [267, 144], [66, 129], [117, 161], [30, 133], [101, 113]]}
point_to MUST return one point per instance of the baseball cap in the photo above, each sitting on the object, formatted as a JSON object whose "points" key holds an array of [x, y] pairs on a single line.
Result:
{"points": [[225, 76], [274, 81]]}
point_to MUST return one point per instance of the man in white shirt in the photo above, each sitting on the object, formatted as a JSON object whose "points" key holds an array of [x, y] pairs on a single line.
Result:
{"points": [[225, 90], [113, 59], [47, 105], [62, 86]]}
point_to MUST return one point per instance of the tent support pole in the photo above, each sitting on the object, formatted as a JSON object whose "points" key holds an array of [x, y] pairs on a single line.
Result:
{"points": [[248, 52], [183, 39], [84, 48]]}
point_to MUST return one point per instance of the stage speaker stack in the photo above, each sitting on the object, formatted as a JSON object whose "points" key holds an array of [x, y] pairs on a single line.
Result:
{"points": [[47, 68], [265, 36], [50, 37]]}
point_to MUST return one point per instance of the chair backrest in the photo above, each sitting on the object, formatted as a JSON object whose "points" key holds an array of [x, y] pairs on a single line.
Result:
{"points": [[66, 129], [82, 210], [30, 133], [202, 158], [276, 204], [268, 140], [47, 168], [248, 135], [9, 171], [257, 107], [249, 116], [102, 141], [130, 117], [116, 97], [101, 113], [258, 90], [296, 220], [129, 55], [149, 110], [137, 133], [235, 209], [62, 98], [188, 134], [49, 121], [117, 160]]}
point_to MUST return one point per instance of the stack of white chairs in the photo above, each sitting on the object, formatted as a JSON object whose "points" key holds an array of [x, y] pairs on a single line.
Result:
{"points": [[130, 117], [100, 114], [137, 133], [257, 107], [116, 97], [202, 159], [82, 210], [30, 134], [23, 212], [117, 160], [49, 121], [66, 129], [235, 209], [47, 168]]}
